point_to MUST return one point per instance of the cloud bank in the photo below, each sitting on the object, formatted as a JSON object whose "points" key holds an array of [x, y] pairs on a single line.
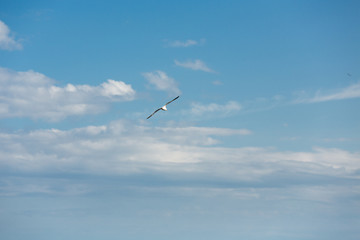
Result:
{"points": [[122, 148], [32, 94], [7, 42]]}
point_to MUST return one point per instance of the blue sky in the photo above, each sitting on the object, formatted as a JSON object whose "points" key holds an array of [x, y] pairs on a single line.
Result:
{"points": [[263, 142]]}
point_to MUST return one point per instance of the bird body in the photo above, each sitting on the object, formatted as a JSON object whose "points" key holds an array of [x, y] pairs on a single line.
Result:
{"points": [[162, 108]]}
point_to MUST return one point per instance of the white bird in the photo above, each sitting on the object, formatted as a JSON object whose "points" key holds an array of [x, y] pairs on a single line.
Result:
{"points": [[162, 108]]}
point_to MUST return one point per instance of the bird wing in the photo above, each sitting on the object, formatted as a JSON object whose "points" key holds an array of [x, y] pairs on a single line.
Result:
{"points": [[153, 113], [172, 100]]}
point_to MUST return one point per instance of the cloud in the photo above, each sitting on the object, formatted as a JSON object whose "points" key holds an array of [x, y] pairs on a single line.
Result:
{"points": [[352, 91], [32, 94], [126, 159], [214, 108], [7, 42], [113, 89], [190, 153], [194, 65], [79, 149], [187, 43], [264, 104], [162, 82]]}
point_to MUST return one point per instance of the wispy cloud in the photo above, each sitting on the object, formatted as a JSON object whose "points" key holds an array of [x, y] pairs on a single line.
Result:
{"points": [[184, 44], [194, 65], [7, 42], [302, 97], [214, 108], [162, 82], [352, 91], [32, 94]]}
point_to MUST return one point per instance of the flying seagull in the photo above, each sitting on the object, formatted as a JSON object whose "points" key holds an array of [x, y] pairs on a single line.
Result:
{"points": [[162, 108]]}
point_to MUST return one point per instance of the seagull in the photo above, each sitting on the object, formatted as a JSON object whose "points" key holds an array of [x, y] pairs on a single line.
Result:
{"points": [[162, 108]]}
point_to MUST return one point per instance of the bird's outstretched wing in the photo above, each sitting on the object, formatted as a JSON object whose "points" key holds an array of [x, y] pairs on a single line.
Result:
{"points": [[172, 100], [153, 113], [162, 108]]}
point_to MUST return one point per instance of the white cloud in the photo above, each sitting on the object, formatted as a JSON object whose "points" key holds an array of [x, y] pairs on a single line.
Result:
{"points": [[177, 160], [194, 65], [113, 88], [187, 43], [122, 146], [127, 148], [32, 94], [352, 91], [7, 42], [162, 82], [214, 108]]}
